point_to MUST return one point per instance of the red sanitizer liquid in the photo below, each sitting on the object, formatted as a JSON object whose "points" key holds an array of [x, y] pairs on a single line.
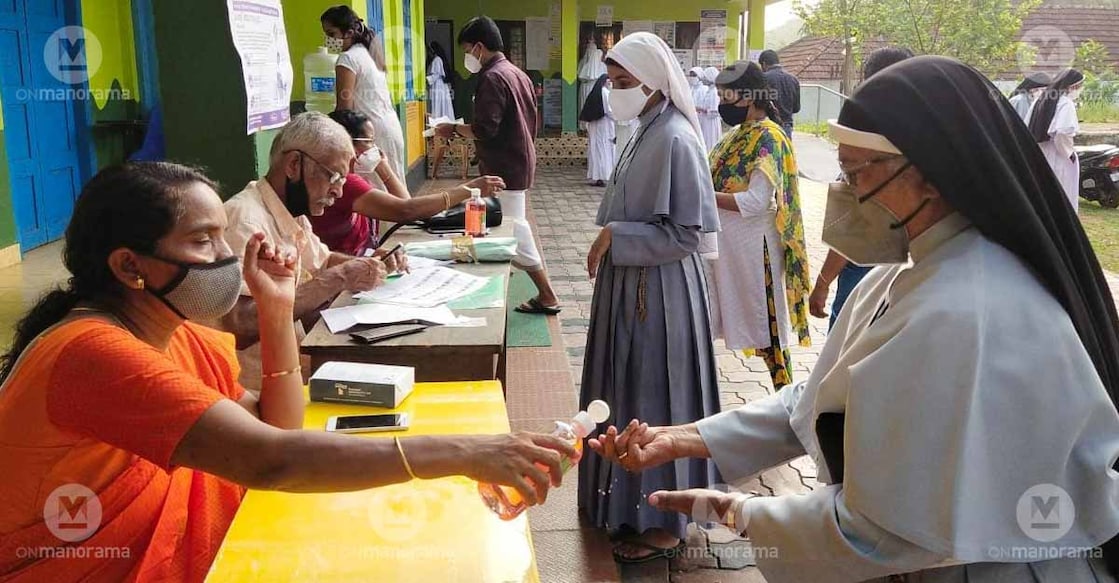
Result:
{"points": [[506, 501]]}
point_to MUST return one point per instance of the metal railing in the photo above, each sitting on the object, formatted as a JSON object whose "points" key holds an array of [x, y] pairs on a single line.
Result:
{"points": [[818, 104]]}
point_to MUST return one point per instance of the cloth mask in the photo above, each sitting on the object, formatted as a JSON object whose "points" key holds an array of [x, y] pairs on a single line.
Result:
{"points": [[201, 291], [627, 104], [335, 45]]}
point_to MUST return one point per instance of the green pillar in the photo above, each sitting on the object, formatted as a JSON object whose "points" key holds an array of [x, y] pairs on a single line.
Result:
{"points": [[203, 94], [569, 38], [755, 27]]}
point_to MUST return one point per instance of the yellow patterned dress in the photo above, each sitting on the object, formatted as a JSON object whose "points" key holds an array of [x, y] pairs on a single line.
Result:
{"points": [[762, 146]]}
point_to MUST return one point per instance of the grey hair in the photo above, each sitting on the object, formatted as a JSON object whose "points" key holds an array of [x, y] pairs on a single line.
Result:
{"points": [[314, 133]]}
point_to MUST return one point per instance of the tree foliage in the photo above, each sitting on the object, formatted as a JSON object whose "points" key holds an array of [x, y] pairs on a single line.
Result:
{"points": [[1092, 59], [982, 33]]}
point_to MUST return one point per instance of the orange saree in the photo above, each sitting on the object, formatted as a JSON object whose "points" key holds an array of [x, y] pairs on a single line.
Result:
{"points": [[90, 404]]}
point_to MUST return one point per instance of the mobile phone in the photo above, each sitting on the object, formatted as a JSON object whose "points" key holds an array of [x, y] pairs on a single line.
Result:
{"points": [[367, 423], [381, 333]]}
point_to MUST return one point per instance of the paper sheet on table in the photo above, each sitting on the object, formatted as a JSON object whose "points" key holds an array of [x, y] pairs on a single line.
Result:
{"points": [[492, 295], [418, 263], [435, 122], [424, 288], [342, 319]]}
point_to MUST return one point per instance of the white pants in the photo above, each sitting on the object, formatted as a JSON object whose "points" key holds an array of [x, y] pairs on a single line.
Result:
{"points": [[513, 208]]}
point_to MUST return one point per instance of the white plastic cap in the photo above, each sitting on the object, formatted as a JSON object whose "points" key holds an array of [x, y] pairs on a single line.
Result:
{"points": [[598, 410], [475, 192]]}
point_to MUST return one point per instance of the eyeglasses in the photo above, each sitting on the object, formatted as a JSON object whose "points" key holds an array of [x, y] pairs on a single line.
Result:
{"points": [[334, 178], [849, 175]]}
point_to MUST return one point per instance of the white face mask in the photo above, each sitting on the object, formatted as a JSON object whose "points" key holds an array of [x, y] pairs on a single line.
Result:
{"points": [[693, 81], [864, 233], [1074, 94], [472, 63], [367, 163], [627, 104], [335, 45]]}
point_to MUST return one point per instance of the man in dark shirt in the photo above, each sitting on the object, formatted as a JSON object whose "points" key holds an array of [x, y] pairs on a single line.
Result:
{"points": [[787, 86], [503, 128]]}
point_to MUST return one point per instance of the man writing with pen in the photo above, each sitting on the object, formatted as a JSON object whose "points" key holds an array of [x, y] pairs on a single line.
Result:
{"points": [[309, 163]]}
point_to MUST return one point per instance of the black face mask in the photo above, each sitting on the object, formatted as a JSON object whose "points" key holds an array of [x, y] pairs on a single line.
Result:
{"points": [[732, 114], [295, 193]]}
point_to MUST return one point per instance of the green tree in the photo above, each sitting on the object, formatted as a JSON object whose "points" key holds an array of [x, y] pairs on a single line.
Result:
{"points": [[1092, 59], [982, 33]]}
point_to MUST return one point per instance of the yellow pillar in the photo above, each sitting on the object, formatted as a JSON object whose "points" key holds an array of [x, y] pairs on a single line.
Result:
{"points": [[755, 25]]}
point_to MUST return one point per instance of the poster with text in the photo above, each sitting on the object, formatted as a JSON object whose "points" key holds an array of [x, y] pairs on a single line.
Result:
{"points": [[553, 103], [711, 48], [667, 32], [686, 58], [257, 28], [605, 16], [631, 26], [538, 33]]}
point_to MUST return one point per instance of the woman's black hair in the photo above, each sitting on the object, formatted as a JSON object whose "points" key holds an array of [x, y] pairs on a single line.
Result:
{"points": [[884, 57], [131, 205], [482, 29], [748, 80], [436, 50], [345, 19], [353, 121]]}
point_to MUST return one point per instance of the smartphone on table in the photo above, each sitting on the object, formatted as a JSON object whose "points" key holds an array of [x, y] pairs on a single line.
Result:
{"points": [[367, 423]]}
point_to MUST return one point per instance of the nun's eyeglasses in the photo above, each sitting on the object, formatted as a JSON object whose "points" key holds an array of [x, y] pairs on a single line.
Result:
{"points": [[850, 175]]}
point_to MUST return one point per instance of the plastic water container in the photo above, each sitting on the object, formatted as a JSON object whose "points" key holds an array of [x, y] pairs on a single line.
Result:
{"points": [[318, 80]]}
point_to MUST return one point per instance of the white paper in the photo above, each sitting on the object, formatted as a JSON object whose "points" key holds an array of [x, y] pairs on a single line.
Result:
{"points": [[257, 28], [465, 322], [667, 31], [605, 16], [421, 263], [425, 288], [538, 32], [631, 26], [342, 319], [436, 122]]}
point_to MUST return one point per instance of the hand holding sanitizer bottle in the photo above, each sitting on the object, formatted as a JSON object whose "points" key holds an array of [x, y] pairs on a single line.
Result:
{"points": [[506, 501]]}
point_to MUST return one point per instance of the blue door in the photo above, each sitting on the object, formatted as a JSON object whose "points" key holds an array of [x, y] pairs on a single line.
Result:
{"points": [[44, 114]]}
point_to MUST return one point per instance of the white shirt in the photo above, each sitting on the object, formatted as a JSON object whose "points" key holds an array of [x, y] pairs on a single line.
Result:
{"points": [[371, 87], [258, 209]]}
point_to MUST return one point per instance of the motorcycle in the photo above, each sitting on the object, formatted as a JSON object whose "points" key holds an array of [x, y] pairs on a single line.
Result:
{"points": [[1099, 174]]}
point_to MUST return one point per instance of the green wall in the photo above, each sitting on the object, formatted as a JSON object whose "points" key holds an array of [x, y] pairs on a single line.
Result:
{"points": [[203, 93], [115, 85], [7, 213]]}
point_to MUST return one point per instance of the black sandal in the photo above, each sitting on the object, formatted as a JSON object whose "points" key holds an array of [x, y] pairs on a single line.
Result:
{"points": [[534, 306]]}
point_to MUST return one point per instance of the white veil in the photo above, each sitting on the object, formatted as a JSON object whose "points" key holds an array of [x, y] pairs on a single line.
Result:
{"points": [[649, 59]]}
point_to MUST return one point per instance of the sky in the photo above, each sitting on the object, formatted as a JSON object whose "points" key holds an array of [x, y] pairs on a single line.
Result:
{"points": [[779, 13]]}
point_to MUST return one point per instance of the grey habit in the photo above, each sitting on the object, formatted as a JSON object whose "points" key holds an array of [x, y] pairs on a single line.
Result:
{"points": [[651, 358]]}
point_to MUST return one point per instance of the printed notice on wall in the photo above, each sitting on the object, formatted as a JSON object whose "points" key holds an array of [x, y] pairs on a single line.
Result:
{"points": [[605, 16], [711, 48], [538, 34], [257, 27], [631, 26], [667, 31]]}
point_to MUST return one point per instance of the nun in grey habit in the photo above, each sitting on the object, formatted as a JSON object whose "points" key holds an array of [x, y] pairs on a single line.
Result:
{"points": [[649, 351]]}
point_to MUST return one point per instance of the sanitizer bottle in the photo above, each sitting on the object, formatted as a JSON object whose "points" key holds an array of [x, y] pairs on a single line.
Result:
{"points": [[506, 501]]}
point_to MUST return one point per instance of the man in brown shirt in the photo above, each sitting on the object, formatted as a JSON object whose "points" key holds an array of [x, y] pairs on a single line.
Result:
{"points": [[503, 128]]}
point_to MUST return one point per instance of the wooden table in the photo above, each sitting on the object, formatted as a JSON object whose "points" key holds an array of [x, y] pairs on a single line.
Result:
{"points": [[438, 353], [421, 531]]}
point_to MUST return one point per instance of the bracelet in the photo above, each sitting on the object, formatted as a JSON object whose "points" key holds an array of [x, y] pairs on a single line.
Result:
{"points": [[404, 458], [284, 373], [446, 200], [735, 508]]}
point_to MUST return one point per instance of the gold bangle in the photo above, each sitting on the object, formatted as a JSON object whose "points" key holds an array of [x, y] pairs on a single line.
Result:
{"points": [[446, 200], [284, 373], [404, 458]]}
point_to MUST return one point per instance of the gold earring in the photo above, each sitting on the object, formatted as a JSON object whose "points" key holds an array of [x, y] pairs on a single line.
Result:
{"points": [[139, 282]]}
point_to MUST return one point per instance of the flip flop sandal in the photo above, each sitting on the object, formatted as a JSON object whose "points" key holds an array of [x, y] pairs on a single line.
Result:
{"points": [[656, 553], [535, 307]]}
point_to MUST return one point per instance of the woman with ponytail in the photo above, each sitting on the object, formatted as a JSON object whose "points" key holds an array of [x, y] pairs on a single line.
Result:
{"points": [[759, 292], [112, 393], [361, 80]]}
